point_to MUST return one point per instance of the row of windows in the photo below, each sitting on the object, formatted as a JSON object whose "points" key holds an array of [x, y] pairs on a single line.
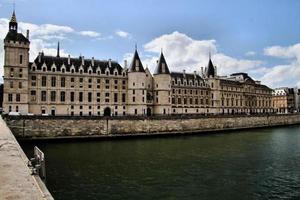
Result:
{"points": [[192, 101], [190, 83], [81, 71], [185, 91], [11, 97], [53, 82], [80, 96]]}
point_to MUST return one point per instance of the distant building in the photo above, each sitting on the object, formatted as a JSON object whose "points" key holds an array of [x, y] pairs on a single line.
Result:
{"points": [[286, 100], [59, 85], [238, 93]]}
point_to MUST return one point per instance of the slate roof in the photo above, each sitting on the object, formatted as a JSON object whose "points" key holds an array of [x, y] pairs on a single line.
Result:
{"points": [[245, 76], [17, 37], [136, 64], [189, 77], [162, 67], [59, 61], [210, 69]]}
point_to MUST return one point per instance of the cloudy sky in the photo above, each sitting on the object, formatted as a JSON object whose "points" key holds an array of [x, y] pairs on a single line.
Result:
{"points": [[261, 37]]}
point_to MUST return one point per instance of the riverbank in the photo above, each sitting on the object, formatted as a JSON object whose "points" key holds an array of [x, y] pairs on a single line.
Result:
{"points": [[15, 176], [64, 127]]}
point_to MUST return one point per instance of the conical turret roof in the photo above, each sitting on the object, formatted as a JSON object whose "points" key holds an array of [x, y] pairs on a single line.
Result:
{"points": [[136, 64], [162, 67]]}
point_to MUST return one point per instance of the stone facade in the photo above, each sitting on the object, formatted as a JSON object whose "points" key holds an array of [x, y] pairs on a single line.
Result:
{"points": [[56, 85], [286, 100]]}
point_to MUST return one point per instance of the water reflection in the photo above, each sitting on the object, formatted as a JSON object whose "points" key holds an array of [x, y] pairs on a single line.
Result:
{"points": [[256, 164]]}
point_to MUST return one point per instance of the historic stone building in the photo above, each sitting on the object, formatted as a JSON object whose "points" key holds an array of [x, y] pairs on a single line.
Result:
{"points": [[238, 93], [56, 85], [286, 100]]}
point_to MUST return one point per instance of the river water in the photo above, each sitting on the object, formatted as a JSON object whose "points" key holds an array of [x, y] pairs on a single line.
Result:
{"points": [[248, 164]]}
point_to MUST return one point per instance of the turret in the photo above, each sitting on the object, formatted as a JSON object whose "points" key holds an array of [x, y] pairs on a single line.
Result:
{"points": [[16, 62], [136, 87], [162, 87]]}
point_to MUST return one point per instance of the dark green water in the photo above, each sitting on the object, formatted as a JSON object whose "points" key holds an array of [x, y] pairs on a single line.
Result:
{"points": [[254, 164]]}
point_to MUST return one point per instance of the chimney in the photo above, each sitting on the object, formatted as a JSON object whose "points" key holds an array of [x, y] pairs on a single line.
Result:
{"points": [[109, 63], [69, 60], [93, 62], [27, 34], [195, 74], [125, 64], [82, 60], [184, 72], [40, 57]]}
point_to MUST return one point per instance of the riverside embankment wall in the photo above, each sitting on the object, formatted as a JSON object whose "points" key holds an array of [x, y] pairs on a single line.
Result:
{"points": [[16, 181], [61, 127]]}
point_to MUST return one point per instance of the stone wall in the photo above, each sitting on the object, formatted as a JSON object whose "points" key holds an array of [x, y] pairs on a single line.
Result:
{"points": [[55, 127]]}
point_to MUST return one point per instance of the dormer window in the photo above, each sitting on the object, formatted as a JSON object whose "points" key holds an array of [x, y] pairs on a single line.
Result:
{"points": [[90, 71], [80, 71], [53, 69], [98, 72], [72, 71], [63, 70], [33, 69], [44, 69], [116, 73], [106, 73]]}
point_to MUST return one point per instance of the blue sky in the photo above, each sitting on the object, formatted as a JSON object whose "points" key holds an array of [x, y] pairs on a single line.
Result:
{"points": [[253, 36]]}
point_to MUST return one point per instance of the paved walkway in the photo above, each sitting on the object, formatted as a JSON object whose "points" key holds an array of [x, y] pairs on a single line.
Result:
{"points": [[15, 179]]}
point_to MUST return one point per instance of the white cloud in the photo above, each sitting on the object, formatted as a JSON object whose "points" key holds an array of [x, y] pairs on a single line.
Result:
{"points": [[44, 29], [183, 52], [250, 53], [40, 38], [284, 75], [122, 34], [89, 33]]}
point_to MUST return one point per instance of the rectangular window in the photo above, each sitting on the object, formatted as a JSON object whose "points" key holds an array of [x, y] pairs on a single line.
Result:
{"points": [[62, 96], [53, 96], [53, 81], [116, 97], [44, 81], [123, 98], [21, 59], [43, 95], [72, 96], [11, 84], [21, 73], [107, 94], [80, 96], [72, 80], [10, 97], [20, 85], [18, 97], [90, 97], [33, 95], [62, 82]]}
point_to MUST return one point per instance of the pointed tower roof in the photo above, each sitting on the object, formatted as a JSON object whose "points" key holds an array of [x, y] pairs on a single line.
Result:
{"points": [[13, 17], [210, 68], [136, 64], [57, 49], [162, 67]]}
